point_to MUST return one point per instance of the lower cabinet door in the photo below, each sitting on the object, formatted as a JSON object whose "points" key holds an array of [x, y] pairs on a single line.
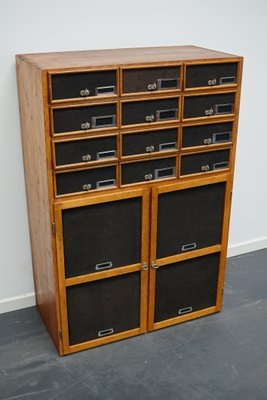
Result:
{"points": [[186, 287]]}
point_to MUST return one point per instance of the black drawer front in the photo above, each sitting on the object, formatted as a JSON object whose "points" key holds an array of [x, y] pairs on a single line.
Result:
{"points": [[201, 135], [83, 84], [86, 180], [146, 171], [83, 151], [149, 142], [102, 308], [84, 118], [204, 162], [185, 287], [150, 79], [102, 236], [140, 112], [205, 106], [189, 219], [211, 75]]}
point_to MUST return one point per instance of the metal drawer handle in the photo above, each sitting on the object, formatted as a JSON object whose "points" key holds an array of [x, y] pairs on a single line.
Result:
{"points": [[104, 90], [189, 246], [144, 267], [227, 80], [227, 108], [150, 149], [148, 177], [205, 168], [209, 112], [86, 157], [149, 118], [212, 82], [105, 332], [221, 165], [168, 83], [152, 86], [162, 173], [84, 92], [207, 141], [221, 137], [85, 125], [87, 186], [104, 121], [167, 146], [185, 310], [105, 154], [106, 183], [166, 115], [154, 265], [104, 265]]}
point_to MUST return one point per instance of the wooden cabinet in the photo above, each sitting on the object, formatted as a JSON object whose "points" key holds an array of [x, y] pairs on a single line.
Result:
{"points": [[129, 159]]}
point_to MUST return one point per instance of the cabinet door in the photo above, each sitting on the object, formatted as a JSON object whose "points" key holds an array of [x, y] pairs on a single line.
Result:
{"points": [[102, 250]]}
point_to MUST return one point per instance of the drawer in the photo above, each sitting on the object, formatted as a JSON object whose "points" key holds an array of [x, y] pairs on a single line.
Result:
{"points": [[204, 135], [209, 105], [149, 142], [86, 180], [85, 151], [186, 286], [204, 75], [142, 171], [204, 162], [102, 308], [140, 80], [149, 111], [85, 118], [80, 85]]}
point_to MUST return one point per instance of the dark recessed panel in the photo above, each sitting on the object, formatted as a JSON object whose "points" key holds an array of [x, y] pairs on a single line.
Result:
{"points": [[211, 75], [102, 236], [208, 105], [204, 162], [83, 151], [83, 84], [150, 79], [149, 142], [140, 112], [186, 286], [161, 168], [102, 308], [84, 118], [189, 219], [201, 135]]}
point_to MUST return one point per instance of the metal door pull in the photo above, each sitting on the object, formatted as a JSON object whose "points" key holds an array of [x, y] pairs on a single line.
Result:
{"points": [[167, 146], [220, 165], [185, 310], [189, 246], [104, 90], [105, 183], [105, 332], [105, 154], [104, 265]]}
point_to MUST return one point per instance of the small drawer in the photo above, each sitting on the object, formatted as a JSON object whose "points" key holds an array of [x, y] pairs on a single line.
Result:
{"points": [[149, 111], [149, 142], [209, 105], [209, 75], [204, 135], [86, 180], [81, 85], [146, 171], [205, 162], [85, 151], [140, 80], [86, 118]]}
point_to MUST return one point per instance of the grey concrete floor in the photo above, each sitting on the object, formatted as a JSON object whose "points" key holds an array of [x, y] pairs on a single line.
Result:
{"points": [[220, 357]]}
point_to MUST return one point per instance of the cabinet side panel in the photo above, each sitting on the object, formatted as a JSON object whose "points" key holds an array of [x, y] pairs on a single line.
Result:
{"points": [[35, 168]]}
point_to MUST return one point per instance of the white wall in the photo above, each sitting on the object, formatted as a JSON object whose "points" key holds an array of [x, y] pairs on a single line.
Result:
{"points": [[27, 26]]}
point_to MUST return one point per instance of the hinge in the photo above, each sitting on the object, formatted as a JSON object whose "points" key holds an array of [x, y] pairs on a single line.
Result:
{"points": [[53, 228], [60, 334]]}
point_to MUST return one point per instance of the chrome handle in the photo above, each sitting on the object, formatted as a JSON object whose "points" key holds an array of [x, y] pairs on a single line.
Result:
{"points": [[185, 310], [207, 141], [149, 118], [209, 112], [150, 149], [84, 92], [105, 332], [205, 168], [85, 125], [144, 267], [87, 186], [152, 86], [154, 265], [212, 82], [148, 177], [86, 157]]}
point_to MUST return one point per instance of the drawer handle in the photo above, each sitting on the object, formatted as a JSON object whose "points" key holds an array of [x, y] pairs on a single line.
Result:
{"points": [[86, 157], [212, 82], [105, 332], [209, 112], [167, 146], [103, 121], [87, 186], [105, 154], [166, 115], [85, 125], [189, 246], [221, 137], [185, 310], [152, 86], [164, 172], [106, 183], [150, 149], [227, 108], [149, 118], [104, 90], [221, 165], [84, 92], [104, 265], [227, 80], [207, 141], [148, 177], [168, 83], [205, 168]]}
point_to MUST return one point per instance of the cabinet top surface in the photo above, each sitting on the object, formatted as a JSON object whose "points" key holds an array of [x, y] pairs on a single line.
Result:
{"points": [[94, 58]]}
